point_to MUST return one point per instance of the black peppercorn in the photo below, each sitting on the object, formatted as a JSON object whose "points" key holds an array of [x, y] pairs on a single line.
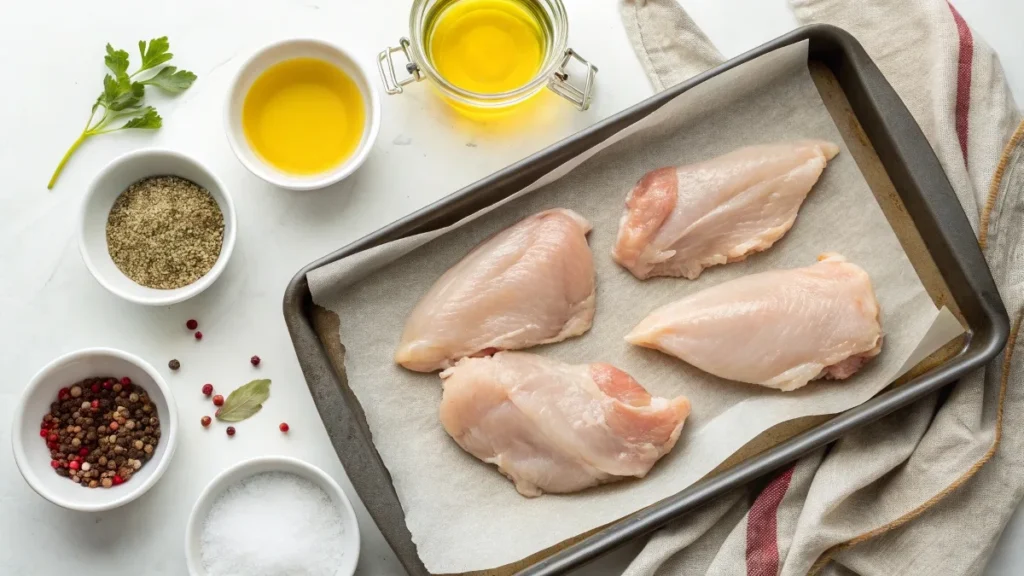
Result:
{"points": [[100, 431]]}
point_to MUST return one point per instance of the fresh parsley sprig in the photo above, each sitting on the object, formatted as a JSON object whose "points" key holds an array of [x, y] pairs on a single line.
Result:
{"points": [[123, 94]]}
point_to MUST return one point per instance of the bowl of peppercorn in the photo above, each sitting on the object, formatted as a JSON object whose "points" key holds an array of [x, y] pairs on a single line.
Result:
{"points": [[156, 227], [94, 429]]}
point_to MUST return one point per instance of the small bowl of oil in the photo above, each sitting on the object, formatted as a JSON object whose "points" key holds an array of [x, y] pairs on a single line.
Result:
{"points": [[302, 114]]}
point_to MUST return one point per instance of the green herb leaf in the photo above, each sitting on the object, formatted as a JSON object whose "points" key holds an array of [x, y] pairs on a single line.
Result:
{"points": [[245, 401], [122, 98], [172, 80], [149, 120], [131, 98], [116, 60], [111, 90], [155, 54], [116, 94]]}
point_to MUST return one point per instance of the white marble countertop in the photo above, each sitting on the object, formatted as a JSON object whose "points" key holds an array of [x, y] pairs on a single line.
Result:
{"points": [[51, 55]]}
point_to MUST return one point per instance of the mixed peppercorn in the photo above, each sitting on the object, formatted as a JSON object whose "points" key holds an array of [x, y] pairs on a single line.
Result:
{"points": [[101, 431]]}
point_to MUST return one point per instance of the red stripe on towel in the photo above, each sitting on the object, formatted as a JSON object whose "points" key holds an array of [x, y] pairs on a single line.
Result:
{"points": [[963, 79], [762, 527]]}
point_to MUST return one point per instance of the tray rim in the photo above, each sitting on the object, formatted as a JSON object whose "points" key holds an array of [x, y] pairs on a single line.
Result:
{"points": [[921, 184]]}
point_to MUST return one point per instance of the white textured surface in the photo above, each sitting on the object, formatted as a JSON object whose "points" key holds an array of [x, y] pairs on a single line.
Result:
{"points": [[51, 53]]}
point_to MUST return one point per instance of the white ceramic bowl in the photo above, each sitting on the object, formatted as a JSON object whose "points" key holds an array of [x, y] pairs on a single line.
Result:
{"points": [[32, 455], [286, 50], [259, 465], [99, 199]]}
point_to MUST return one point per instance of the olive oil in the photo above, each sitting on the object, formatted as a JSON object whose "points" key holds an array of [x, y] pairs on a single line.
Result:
{"points": [[304, 116], [487, 46]]}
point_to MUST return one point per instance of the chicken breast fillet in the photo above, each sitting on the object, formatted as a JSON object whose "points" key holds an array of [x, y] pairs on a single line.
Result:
{"points": [[532, 283], [779, 329], [554, 427], [681, 220]]}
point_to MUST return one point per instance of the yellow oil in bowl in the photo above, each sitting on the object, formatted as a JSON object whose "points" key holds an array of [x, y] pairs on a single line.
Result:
{"points": [[304, 116], [486, 46]]}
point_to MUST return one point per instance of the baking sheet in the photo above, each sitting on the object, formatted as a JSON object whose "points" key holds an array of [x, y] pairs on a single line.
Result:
{"points": [[465, 516]]}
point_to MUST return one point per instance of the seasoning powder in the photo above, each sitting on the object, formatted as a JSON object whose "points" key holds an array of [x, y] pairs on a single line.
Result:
{"points": [[165, 232], [272, 524]]}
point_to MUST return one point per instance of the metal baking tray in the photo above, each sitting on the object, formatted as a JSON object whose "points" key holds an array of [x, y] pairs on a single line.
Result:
{"points": [[908, 183]]}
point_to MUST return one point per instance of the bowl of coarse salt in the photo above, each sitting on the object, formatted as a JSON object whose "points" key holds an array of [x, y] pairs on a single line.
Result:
{"points": [[272, 515]]}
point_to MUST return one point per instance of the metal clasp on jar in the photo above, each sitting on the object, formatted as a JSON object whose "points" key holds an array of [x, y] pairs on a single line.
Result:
{"points": [[392, 85], [559, 82]]}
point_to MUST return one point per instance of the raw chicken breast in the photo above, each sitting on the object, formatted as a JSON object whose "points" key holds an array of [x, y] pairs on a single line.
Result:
{"points": [[554, 427], [779, 329], [533, 283], [679, 221]]}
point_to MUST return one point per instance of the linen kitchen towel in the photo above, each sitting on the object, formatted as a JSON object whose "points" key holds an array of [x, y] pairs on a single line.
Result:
{"points": [[926, 490]]}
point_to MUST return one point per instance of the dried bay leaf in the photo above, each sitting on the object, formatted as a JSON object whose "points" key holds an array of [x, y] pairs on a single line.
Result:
{"points": [[244, 401]]}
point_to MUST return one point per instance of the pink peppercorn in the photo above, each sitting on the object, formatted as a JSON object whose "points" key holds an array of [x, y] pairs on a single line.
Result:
{"points": [[198, 335], [191, 324]]}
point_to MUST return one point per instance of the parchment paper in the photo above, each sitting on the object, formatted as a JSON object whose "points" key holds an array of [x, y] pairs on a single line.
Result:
{"points": [[463, 514]]}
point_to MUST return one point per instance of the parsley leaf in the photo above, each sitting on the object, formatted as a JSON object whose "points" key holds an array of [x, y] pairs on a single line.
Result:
{"points": [[121, 97], [117, 61], [130, 98], [111, 90], [172, 80], [149, 120], [155, 54]]}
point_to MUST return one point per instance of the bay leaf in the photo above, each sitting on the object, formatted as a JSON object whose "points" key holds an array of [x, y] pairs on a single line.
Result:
{"points": [[244, 401]]}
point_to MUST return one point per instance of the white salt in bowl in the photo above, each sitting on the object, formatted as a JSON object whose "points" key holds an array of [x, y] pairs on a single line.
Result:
{"points": [[114, 179], [32, 455], [248, 468]]}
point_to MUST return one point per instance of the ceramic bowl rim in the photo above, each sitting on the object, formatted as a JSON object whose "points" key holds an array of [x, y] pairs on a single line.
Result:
{"points": [[170, 436], [325, 179], [227, 245], [278, 464]]}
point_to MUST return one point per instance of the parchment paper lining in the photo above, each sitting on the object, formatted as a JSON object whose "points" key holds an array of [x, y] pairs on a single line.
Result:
{"points": [[465, 516]]}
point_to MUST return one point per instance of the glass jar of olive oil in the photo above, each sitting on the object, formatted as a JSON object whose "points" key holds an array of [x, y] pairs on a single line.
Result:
{"points": [[488, 54]]}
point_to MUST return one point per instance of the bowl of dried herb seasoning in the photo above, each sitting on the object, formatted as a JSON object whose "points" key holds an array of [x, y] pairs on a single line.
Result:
{"points": [[156, 227], [94, 429]]}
